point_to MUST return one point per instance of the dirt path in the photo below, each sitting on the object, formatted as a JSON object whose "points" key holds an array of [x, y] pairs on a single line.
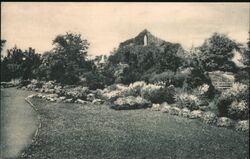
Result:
{"points": [[72, 131], [18, 122]]}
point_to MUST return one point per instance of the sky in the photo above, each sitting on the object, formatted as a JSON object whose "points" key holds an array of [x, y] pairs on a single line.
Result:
{"points": [[105, 25]]}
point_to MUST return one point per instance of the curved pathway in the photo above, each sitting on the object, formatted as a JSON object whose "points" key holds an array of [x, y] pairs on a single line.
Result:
{"points": [[18, 122]]}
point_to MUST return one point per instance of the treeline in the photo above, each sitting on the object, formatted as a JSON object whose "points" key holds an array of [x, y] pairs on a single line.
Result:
{"points": [[68, 63]]}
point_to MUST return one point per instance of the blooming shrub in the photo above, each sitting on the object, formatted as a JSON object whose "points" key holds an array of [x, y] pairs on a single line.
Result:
{"points": [[230, 103], [111, 96], [184, 100], [130, 102], [77, 92], [209, 117], [224, 122], [238, 110], [242, 126], [134, 89], [203, 89]]}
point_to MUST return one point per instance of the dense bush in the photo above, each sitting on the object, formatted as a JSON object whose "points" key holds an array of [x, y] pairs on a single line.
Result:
{"points": [[158, 94], [134, 89], [232, 99], [184, 100], [242, 76], [130, 102], [238, 110], [96, 80]]}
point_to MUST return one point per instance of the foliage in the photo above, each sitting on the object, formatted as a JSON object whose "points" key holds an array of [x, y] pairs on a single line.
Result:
{"points": [[245, 53], [66, 61], [216, 53], [141, 60], [238, 110], [19, 64], [185, 100], [130, 102], [96, 80], [2, 44], [237, 93], [242, 76], [158, 94]]}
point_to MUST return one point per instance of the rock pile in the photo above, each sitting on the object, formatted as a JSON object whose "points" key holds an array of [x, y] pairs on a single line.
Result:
{"points": [[205, 116]]}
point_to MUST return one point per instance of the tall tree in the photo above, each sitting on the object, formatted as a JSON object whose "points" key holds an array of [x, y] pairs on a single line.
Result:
{"points": [[217, 53], [67, 60]]}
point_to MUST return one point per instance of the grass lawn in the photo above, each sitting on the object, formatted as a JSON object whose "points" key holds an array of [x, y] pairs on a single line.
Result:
{"points": [[75, 131]]}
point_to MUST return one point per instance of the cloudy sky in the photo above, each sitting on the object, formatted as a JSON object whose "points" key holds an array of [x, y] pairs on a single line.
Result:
{"points": [[105, 25]]}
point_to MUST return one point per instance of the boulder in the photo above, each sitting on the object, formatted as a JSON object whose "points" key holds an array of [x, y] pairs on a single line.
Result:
{"points": [[62, 98], [175, 111], [52, 96], [97, 101], [185, 112], [209, 117], [242, 125], [70, 100], [224, 122], [90, 97], [51, 99], [166, 108], [156, 107], [81, 101]]}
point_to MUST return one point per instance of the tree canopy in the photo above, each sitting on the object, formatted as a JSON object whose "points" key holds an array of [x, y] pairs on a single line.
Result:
{"points": [[216, 53], [67, 60]]}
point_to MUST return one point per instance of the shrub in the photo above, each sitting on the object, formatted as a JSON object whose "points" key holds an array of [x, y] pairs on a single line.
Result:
{"points": [[134, 89], [77, 93], [130, 102], [158, 94], [224, 122], [237, 93], [242, 77], [112, 95], [24, 83], [238, 110], [196, 114], [209, 117], [185, 100], [164, 76], [242, 125]]}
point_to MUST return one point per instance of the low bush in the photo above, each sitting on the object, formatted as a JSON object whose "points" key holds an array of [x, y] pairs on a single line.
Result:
{"points": [[242, 126], [134, 89], [238, 110], [184, 100], [209, 117], [158, 94], [230, 103], [224, 122], [130, 102], [242, 76]]}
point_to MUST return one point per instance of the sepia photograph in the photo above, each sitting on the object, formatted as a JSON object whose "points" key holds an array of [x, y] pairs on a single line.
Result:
{"points": [[125, 80]]}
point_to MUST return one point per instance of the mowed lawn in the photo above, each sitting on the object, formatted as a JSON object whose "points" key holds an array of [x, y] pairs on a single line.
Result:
{"points": [[76, 131]]}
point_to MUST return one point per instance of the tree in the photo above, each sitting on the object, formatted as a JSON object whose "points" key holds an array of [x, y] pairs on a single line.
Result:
{"points": [[246, 54], [21, 64], [2, 44], [216, 53], [67, 60]]}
